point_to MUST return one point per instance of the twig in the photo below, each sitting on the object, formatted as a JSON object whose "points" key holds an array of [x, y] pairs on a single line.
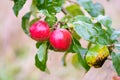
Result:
{"points": [[110, 47], [62, 23], [64, 11], [55, 26], [72, 2], [58, 23], [109, 58]]}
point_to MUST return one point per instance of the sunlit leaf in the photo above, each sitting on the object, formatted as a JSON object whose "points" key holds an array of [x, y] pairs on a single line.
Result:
{"points": [[84, 30], [66, 19], [74, 10], [52, 6], [83, 27], [82, 18], [75, 61], [42, 51], [94, 33], [41, 57], [105, 20]]}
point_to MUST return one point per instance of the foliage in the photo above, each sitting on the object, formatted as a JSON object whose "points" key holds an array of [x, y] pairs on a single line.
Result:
{"points": [[18, 5], [84, 19], [116, 62]]}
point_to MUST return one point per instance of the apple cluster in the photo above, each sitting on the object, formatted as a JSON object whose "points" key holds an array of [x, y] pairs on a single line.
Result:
{"points": [[60, 39]]}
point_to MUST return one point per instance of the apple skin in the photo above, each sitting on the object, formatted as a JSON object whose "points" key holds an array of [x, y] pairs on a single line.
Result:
{"points": [[60, 39], [40, 31]]}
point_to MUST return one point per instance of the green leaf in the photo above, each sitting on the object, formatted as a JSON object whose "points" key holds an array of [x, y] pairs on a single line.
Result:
{"points": [[103, 39], [52, 6], [42, 51], [34, 20], [74, 10], [83, 27], [87, 4], [25, 22], [82, 18], [94, 33], [105, 35], [38, 44], [80, 52], [116, 62], [15, 1], [70, 50], [115, 35], [105, 20], [102, 36], [41, 57], [117, 45], [50, 47], [51, 20], [34, 9], [66, 18], [18, 5], [75, 61], [97, 10], [75, 35], [93, 9], [84, 30], [45, 12]]}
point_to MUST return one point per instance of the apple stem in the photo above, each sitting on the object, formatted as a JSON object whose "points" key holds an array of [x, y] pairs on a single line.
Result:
{"points": [[57, 25]]}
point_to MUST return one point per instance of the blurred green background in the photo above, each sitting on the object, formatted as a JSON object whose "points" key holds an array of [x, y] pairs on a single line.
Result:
{"points": [[17, 50]]}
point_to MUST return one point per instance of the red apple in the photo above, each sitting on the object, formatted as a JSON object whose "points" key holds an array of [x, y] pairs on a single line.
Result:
{"points": [[60, 39], [40, 31]]}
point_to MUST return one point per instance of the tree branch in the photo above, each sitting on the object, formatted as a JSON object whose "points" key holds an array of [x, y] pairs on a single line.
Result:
{"points": [[72, 2], [64, 11]]}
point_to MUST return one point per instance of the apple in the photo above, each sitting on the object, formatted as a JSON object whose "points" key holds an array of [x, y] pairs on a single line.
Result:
{"points": [[39, 31], [60, 39]]}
